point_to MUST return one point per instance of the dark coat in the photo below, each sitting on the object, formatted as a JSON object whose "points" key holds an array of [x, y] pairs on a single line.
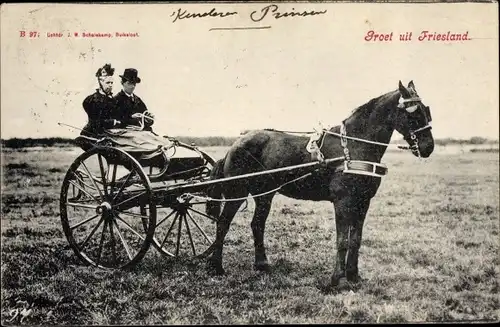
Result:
{"points": [[127, 107], [101, 112]]}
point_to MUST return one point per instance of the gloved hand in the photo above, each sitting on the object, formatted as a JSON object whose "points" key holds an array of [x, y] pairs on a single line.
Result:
{"points": [[148, 119]]}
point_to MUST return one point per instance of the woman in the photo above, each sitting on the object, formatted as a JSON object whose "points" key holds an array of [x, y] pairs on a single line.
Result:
{"points": [[101, 106]]}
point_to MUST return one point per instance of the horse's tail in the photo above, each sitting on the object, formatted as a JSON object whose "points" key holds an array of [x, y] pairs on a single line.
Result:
{"points": [[215, 190]]}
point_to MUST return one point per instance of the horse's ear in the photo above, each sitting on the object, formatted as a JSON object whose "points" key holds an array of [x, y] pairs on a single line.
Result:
{"points": [[411, 85], [402, 89]]}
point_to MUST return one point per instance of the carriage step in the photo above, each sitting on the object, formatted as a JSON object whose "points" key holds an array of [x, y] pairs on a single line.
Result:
{"points": [[367, 168]]}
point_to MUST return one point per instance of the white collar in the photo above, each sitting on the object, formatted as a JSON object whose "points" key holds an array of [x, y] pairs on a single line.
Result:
{"points": [[129, 95], [102, 92]]}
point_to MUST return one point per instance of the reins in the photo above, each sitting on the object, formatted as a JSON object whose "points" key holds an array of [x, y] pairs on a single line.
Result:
{"points": [[358, 139]]}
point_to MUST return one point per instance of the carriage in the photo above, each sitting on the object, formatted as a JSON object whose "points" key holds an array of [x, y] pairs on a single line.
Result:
{"points": [[116, 204]]}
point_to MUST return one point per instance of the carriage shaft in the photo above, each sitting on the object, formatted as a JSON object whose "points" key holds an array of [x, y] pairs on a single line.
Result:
{"points": [[201, 186], [167, 195]]}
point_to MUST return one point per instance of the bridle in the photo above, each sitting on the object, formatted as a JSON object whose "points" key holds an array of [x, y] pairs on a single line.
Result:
{"points": [[411, 105]]}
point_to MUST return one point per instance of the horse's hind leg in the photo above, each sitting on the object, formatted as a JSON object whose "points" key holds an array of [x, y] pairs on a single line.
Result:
{"points": [[262, 208], [225, 219]]}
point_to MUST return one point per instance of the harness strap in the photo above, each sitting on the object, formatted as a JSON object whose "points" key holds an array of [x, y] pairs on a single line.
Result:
{"points": [[422, 128], [343, 142], [345, 137], [290, 132], [313, 148]]}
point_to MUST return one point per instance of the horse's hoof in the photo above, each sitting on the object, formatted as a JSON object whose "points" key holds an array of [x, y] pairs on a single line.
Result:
{"points": [[326, 286], [215, 269], [262, 266], [353, 278]]}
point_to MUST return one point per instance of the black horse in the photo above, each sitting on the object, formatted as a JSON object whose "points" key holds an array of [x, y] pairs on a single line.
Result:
{"points": [[363, 136]]}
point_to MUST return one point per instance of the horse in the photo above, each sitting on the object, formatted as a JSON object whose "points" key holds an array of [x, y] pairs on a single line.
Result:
{"points": [[371, 126]]}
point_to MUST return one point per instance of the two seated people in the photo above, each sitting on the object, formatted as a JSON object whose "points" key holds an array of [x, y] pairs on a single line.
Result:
{"points": [[123, 119]]}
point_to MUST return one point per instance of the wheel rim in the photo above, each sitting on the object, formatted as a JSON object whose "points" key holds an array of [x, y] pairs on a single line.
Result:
{"points": [[102, 220]]}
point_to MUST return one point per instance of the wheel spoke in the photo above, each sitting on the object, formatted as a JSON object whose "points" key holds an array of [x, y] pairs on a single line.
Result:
{"points": [[129, 199], [83, 222], [179, 230], [124, 242], [170, 229], [129, 227], [113, 243], [133, 214], [86, 201], [92, 179], [81, 205], [199, 228], [203, 214], [83, 190], [120, 190], [144, 218], [103, 175], [189, 234], [101, 242], [81, 181], [91, 234], [164, 219], [113, 180]]}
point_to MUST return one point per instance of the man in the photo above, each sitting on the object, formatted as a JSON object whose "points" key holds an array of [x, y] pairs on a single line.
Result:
{"points": [[101, 106], [129, 103]]}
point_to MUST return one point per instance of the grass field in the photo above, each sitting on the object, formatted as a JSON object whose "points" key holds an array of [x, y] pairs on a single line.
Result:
{"points": [[429, 253]]}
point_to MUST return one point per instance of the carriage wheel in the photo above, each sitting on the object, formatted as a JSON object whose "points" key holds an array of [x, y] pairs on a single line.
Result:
{"points": [[183, 229], [100, 192]]}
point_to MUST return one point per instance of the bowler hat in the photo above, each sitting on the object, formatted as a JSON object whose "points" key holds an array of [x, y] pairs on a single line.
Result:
{"points": [[130, 74]]}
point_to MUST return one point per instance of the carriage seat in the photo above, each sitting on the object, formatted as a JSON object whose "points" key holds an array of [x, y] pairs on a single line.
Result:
{"points": [[145, 157]]}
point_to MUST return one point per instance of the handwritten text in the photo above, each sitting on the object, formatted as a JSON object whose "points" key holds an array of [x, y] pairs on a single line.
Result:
{"points": [[183, 14], [255, 16]]}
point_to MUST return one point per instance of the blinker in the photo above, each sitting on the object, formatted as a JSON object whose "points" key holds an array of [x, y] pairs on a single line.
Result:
{"points": [[412, 108]]}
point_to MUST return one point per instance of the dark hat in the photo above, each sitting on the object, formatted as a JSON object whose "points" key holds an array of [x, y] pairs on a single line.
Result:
{"points": [[130, 74], [105, 70]]}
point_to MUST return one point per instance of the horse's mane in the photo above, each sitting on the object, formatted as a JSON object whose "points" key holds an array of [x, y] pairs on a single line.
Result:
{"points": [[368, 107]]}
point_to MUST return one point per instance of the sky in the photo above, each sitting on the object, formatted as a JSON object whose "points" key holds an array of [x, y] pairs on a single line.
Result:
{"points": [[294, 73]]}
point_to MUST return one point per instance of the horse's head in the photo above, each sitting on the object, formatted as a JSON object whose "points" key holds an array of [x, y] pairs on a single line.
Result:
{"points": [[413, 121]]}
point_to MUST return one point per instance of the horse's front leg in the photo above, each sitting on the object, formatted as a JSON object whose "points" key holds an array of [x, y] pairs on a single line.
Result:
{"points": [[354, 235], [350, 213], [341, 224]]}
